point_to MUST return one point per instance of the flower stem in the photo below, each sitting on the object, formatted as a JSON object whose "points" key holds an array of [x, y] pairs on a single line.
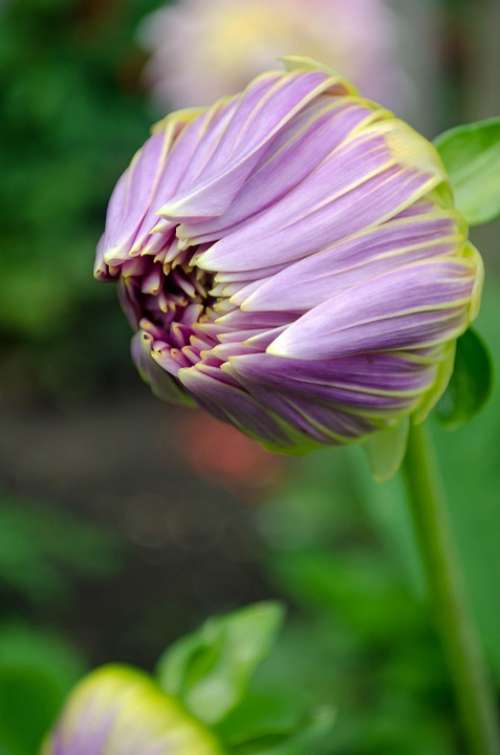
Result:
{"points": [[475, 697]]}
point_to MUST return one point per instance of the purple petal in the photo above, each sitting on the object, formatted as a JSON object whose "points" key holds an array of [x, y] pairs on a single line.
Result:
{"points": [[294, 154], [161, 383], [407, 307], [391, 374], [132, 196], [264, 108], [233, 405], [317, 422], [348, 263], [299, 226]]}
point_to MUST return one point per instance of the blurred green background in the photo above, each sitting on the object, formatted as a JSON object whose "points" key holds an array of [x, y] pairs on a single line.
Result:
{"points": [[119, 529]]}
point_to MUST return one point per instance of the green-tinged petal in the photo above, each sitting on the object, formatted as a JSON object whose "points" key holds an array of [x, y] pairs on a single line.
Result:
{"points": [[178, 118], [163, 385], [304, 63], [443, 374], [472, 255], [119, 711], [386, 450]]}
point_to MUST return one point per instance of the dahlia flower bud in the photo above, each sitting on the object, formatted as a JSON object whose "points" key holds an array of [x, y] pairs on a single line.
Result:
{"points": [[290, 259], [119, 711]]}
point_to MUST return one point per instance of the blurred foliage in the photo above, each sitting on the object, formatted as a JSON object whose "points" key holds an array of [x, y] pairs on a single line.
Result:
{"points": [[43, 551], [42, 554], [362, 638], [225, 653], [72, 115], [37, 669], [278, 722]]}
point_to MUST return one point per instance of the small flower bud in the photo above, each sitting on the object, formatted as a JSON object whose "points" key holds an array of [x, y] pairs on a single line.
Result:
{"points": [[118, 711]]}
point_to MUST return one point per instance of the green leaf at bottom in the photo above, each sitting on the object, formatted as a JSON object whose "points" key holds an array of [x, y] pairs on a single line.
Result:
{"points": [[471, 382]]}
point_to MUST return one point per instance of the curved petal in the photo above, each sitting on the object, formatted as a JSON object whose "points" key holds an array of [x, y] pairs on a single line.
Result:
{"points": [[381, 374], [318, 422], [132, 196], [230, 403], [312, 280], [417, 305], [263, 110], [163, 385], [370, 178], [296, 151]]}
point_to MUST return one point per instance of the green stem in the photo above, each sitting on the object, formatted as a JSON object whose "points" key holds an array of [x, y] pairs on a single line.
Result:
{"points": [[461, 643]]}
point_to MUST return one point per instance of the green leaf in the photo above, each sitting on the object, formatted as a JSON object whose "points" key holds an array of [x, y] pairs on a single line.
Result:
{"points": [[274, 723], [263, 715], [211, 668], [471, 155], [37, 670], [471, 382]]}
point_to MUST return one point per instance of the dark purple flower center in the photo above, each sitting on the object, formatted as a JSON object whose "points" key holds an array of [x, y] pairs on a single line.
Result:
{"points": [[170, 300]]}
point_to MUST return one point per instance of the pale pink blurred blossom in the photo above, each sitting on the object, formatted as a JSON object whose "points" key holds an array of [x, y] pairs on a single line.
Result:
{"points": [[204, 49]]}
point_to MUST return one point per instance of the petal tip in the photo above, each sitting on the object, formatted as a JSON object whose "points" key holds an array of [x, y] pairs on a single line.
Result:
{"points": [[304, 63], [279, 347], [411, 149], [205, 261]]}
